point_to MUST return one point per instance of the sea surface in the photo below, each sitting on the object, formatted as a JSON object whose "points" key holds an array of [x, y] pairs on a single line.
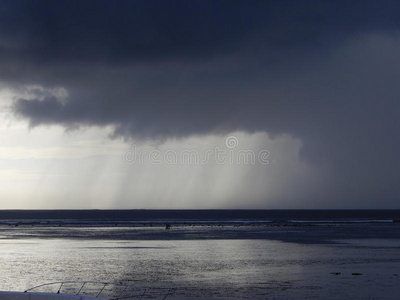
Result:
{"points": [[206, 254]]}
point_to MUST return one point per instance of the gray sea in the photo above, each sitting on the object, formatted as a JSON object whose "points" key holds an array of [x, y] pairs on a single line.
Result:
{"points": [[211, 260]]}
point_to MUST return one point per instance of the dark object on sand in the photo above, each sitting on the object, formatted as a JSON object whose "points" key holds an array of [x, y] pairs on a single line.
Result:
{"points": [[335, 273], [356, 274], [167, 226]]}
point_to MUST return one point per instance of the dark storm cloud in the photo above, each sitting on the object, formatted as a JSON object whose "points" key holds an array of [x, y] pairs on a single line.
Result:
{"points": [[129, 31], [125, 31], [323, 71]]}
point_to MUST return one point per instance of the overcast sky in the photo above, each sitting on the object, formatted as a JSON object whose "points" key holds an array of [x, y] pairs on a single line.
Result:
{"points": [[199, 104]]}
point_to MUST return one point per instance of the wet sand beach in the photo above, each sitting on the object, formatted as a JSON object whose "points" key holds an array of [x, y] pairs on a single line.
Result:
{"points": [[277, 261]]}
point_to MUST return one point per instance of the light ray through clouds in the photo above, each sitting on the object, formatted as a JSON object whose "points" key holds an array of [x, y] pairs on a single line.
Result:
{"points": [[314, 83], [86, 169]]}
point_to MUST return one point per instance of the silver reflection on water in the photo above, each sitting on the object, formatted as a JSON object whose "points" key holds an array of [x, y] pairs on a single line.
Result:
{"points": [[239, 268]]}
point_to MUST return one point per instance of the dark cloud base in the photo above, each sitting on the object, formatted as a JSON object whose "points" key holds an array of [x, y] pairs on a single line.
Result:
{"points": [[324, 72]]}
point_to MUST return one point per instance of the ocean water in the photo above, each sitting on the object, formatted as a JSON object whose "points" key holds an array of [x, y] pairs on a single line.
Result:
{"points": [[143, 217], [223, 254]]}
